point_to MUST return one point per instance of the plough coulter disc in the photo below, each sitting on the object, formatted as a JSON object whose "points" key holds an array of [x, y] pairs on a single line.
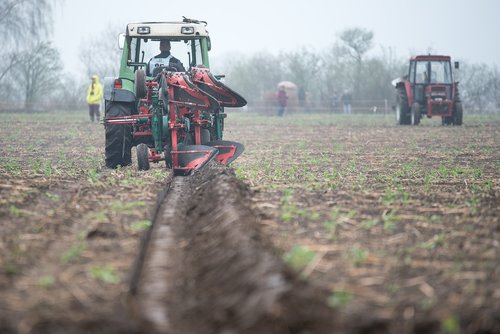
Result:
{"points": [[228, 150], [193, 157], [143, 156]]}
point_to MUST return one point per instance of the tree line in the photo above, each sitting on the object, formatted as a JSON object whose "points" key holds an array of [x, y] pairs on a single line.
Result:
{"points": [[32, 74], [348, 65]]}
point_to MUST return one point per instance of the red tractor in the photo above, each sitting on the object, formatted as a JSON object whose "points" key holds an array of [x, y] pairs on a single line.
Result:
{"points": [[429, 90]]}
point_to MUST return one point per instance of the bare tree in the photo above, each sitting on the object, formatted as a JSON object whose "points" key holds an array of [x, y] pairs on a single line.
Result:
{"points": [[70, 95], [255, 75], [302, 67], [38, 71], [479, 87], [23, 24], [12, 60], [100, 54], [358, 41]]}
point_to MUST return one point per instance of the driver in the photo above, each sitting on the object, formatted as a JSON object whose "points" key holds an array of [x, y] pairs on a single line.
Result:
{"points": [[164, 59]]}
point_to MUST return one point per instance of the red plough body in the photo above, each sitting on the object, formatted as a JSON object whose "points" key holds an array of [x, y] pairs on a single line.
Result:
{"points": [[180, 119]]}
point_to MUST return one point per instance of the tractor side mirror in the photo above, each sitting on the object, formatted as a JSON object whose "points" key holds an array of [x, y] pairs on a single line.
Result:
{"points": [[457, 65], [121, 41]]}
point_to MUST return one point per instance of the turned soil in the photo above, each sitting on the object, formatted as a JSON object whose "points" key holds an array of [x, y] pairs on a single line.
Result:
{"points": [[382, 229], [207, 267]]}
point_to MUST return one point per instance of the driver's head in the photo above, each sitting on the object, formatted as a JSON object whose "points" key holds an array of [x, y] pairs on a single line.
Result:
{"points": [[164, 45]]}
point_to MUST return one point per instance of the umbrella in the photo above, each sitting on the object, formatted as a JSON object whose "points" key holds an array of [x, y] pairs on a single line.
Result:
{"points": [[287, 85]]}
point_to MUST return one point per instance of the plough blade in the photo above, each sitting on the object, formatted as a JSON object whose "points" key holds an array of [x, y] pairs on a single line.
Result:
{"points": [[192, 157], [224, 95], [228, 151], [187, 94]]}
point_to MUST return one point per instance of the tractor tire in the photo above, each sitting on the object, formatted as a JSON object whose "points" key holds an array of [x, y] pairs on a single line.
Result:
{"points": [[205, 136], [415, 114], [118, 149], [402, 112], [143, 156], [140, 84], [458, 113], [446, 120], [188, 140]]}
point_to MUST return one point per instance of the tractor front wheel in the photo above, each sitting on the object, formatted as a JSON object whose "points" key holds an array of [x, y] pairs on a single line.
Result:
{"points": [[118, 149], [402, 117], [143, 156], [415, 114], [446, 120]]}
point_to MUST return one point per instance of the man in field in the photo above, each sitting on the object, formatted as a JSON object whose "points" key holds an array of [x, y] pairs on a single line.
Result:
{"points": [[282, 98], [164, 59]]}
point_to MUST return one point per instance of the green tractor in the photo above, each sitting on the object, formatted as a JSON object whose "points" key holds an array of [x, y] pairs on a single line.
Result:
{"points": [[169, 113]]}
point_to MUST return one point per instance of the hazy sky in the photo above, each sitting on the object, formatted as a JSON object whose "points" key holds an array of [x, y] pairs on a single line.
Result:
{"points": [[465, 29]]}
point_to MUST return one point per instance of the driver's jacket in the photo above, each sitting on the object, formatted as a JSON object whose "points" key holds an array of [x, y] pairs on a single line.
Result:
{"points": [[165, 59]]}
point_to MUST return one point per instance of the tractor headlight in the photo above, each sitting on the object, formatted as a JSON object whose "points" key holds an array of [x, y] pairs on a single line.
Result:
{"points": [[187, 30], [143, 30]]}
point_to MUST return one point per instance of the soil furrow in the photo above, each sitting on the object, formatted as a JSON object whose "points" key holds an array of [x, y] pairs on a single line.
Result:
{"points": [[208, 268]]}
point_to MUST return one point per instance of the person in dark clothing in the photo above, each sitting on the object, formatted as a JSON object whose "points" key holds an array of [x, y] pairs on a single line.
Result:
{"points": [[164, 60], [346, 101], [282, 98], [302, 97]]}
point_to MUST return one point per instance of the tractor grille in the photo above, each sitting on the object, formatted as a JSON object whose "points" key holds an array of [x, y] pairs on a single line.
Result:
{"points": [[440, 109], [438, 97]]}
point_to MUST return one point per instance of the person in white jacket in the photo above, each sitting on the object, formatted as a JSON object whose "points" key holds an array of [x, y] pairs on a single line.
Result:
{"points": [[164, 60]]}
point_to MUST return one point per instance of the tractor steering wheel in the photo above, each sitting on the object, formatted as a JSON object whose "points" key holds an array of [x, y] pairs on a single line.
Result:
{"points": [[159, 69]]}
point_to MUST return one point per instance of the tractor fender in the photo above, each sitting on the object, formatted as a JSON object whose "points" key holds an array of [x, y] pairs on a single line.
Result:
{"points": [[397, 82], [116, 94], [404, 84]]}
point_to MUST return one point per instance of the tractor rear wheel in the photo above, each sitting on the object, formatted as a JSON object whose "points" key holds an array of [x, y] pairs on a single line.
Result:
{"points": [[402, 117], [458, 113], [143, 156], [415, 114], [118, 149]]}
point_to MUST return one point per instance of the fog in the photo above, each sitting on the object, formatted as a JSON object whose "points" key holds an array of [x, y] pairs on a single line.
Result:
{"points": [[466, 30]]}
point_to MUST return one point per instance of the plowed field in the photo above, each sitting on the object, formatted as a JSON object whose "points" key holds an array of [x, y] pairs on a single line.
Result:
{"points": [[395, 229]]}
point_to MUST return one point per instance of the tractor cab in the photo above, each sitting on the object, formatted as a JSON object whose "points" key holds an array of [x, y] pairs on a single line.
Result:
{"points": [[170, 107], [431, 76], [189, 43]]}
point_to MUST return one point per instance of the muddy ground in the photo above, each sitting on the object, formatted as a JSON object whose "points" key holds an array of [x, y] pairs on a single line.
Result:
{"points": [[398, 227]]}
